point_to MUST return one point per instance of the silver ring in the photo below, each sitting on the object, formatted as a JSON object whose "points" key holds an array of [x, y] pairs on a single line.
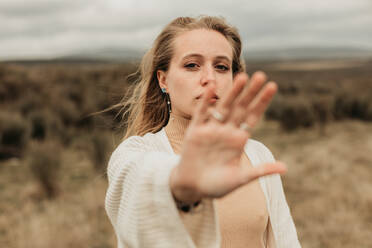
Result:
{"points": [[217, 115], [244, 126]]}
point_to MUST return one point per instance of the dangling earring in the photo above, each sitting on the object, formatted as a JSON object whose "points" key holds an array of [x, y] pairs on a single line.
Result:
{"points": [[168, 100]]}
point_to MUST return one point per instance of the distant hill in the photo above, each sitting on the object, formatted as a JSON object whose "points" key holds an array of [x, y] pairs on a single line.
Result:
{"points": [[115, 54], [308, 53], [277, 54]]}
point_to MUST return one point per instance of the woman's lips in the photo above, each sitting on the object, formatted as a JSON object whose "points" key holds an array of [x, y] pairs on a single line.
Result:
{"points": [[213, 100], [214, 97]]}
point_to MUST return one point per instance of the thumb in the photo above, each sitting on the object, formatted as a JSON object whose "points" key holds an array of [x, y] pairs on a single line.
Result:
{"points": [[249, 174]]}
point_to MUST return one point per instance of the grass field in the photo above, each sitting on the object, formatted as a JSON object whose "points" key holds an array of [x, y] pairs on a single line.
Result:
{"points": [[53, 155]]}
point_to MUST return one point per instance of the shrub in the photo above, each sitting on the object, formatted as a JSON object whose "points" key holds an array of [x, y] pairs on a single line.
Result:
{"points": [[31, 101], [39, 126], [351, 106], [274, 110], [368, 116], [293, 112], [44, 162], [322, 111], [45, 124], [14, 135], [99, 150]]}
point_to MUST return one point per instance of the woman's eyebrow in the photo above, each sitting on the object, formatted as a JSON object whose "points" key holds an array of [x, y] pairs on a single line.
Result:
{"points": [[222, 57], [192, 55], [197, 55]]}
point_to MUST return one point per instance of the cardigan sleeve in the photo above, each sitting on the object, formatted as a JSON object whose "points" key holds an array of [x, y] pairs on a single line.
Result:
{"points": [[139, 202], [284, 230]]}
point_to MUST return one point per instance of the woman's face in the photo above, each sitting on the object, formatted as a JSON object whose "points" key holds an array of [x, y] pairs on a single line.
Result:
{"points": [[201, 57]]}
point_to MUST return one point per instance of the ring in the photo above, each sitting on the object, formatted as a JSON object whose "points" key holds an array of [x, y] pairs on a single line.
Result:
{"points": [[217, 115], [244, 126]]}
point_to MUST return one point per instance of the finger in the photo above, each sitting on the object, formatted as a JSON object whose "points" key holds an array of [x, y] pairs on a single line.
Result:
{"points": [[201, 110], [260, 104], [249, 174], [239, 113], [249, 93], [239, 82]]}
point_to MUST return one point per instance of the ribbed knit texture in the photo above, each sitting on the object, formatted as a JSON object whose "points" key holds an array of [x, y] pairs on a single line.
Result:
{"points": [[142, 210]]}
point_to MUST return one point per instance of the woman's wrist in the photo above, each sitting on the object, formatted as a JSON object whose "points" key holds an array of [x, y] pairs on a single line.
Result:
{"points": [[182, 194]]}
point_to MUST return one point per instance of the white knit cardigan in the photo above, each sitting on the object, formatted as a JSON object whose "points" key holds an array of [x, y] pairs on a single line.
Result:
{"points": [[141, 208]]}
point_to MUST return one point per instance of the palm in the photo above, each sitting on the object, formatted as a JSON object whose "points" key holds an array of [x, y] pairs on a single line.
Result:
{"points": [[210, 160]]}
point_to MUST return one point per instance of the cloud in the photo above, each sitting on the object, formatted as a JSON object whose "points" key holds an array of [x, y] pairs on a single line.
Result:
{"points": [[27, 9], [47, 28]]}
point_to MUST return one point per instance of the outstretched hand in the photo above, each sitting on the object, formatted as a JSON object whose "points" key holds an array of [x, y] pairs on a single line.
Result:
{"points": [[214, 142]]}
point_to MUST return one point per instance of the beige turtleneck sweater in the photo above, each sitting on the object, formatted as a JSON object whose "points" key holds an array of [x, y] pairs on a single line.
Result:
{"points": [[242, 214]]}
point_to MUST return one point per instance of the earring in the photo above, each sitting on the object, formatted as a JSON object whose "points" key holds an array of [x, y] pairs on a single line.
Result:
{"points": [[168, 99]]}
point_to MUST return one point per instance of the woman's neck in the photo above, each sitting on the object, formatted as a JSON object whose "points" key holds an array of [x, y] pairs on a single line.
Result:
{"points": [[175, 130]]}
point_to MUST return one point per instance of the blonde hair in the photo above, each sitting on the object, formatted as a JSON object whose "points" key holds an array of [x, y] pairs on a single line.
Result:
{"points": [[144, 106]]}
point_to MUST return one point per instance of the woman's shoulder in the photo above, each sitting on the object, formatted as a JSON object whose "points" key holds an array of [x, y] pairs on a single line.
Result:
{"points": [[131, 143], [149, 141], [132, 148]]}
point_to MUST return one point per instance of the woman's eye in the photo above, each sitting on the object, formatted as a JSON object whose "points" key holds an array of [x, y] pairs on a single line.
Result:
{"points": [[191, 65], [222, 67]]}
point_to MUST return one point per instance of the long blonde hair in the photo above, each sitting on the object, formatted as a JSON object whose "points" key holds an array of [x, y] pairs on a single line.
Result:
{"points": [[144, 105]]}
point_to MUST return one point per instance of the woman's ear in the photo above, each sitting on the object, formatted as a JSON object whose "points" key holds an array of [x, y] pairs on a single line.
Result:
{"points": [[161, 75]]}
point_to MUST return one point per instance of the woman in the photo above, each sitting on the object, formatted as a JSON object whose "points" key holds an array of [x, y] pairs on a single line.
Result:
{"points": [[185, 173]]}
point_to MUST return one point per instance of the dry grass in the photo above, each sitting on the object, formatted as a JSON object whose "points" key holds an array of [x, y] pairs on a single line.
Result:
{"points": [[76, 218], [329, 181], [328, 188]]}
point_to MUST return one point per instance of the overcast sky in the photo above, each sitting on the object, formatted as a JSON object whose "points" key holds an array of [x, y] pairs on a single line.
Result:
{"points": [[49, 28]]}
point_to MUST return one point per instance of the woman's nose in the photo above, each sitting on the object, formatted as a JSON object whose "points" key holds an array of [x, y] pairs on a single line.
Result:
{"points": [[208, 76]]}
